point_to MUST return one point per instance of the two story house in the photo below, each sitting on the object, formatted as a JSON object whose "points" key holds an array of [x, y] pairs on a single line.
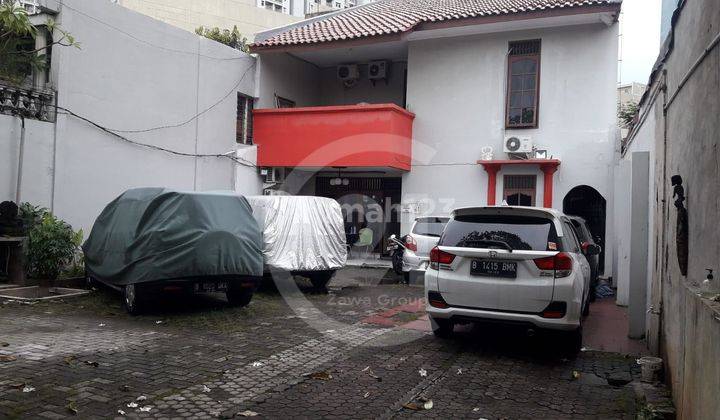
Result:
{"points": [[404, 108]]}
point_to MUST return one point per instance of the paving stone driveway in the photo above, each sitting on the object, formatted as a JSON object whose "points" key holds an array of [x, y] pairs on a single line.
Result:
{"points": [[200, 359]]}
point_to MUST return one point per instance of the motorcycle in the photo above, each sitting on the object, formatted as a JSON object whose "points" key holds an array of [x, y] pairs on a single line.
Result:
{"points": [[396, 248]]}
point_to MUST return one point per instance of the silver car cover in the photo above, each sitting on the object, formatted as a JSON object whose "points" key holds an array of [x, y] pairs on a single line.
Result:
{"points": [[300, 233]]}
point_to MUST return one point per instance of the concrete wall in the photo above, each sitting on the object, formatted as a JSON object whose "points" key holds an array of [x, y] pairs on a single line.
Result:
{"points": [[155, 81], [685, 325], [456, 88], [224, 14], [37, 161], [690, 327], [643, 140], [333, 92], [288, 77]]}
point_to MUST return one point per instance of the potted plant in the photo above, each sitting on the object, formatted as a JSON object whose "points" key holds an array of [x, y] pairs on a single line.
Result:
{"points": [[52, 245]]}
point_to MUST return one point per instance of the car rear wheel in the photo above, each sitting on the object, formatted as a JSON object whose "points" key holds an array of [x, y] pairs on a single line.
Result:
{"points": [[573, 341], [442, 328], [239, 296], [131, 299]]}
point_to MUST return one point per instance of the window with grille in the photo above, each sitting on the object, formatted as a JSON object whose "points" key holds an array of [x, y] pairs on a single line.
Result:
{"points": [[244, 119], [523, 84], [519, 190]]}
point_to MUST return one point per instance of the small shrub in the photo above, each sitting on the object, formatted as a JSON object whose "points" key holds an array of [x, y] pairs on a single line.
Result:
{"points": [[52, 246]]}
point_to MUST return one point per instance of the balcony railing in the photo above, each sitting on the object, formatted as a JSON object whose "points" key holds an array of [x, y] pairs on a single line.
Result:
{"points": [[354, 136], [27, 102]]}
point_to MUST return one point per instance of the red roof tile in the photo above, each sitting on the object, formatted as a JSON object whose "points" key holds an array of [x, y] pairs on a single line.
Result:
{"points": [[387, 17]]}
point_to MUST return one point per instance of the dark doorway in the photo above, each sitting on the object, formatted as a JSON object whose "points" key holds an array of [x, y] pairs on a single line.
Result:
{"points": [[376, 200], [519, 190], [586, 202]]}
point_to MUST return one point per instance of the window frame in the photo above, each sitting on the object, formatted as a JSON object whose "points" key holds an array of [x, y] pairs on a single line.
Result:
{"points": [[511, 59], [246, 136], [531, 190]]}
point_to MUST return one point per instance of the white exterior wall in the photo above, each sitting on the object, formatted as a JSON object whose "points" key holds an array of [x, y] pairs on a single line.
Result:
{"points": [[286, 76], [456, 88], [160, 76], [333, 92], [642, 141]]}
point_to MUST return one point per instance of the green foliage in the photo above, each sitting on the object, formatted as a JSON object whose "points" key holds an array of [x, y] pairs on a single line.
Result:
{"points": [[53, 245], [18, 55], [230, 38], [627, 113], [31, 215]]}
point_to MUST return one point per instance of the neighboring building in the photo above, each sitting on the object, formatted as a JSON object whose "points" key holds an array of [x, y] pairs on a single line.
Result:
{"points": [[31, 6], [445, 89], [134, 74], [250, 16], [668, 8], [629, 93], [663, 263]]}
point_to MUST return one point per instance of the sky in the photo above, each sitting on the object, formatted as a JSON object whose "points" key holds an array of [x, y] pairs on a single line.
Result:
{"points": [[640, 39]]}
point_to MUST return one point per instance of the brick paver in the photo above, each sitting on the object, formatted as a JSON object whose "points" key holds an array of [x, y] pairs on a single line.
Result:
{"points": [[200, 359]]}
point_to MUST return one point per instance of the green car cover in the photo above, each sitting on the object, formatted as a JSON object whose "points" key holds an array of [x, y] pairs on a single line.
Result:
{"points": [[152, 234]]}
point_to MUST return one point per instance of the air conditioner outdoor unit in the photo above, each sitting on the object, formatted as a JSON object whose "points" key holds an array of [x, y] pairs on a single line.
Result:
{"points": [[273, 175], [348, 72], [516, 144], [378, 69]]}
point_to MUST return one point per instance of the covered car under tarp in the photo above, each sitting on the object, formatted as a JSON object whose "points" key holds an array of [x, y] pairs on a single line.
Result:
{"points": [[152, 234], [301, 233]]}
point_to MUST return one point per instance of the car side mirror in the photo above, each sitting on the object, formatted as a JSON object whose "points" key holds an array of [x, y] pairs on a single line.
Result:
{"points": [[591, 249]]}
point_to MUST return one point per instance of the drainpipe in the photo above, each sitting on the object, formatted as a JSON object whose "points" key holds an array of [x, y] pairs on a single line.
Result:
{"points": [[20, 160]]}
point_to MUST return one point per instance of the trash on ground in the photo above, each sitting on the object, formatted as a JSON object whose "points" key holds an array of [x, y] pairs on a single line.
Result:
{"points": [[367, 394], [28, 388], [158, 322], [256, 364], [72, 407], [421, 403], [141, 398], [603, 291], [322, 375], [101, 325], [422, 372], [92, 363], [69, 360], [372, 374], [7, 358], [575, 374], [145, 409], [132, 404], [122, 413], [206, 388], [247, 413], [459, 371]]}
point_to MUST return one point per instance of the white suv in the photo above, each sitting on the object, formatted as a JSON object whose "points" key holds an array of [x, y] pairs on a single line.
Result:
{"points": [[515, 265]]}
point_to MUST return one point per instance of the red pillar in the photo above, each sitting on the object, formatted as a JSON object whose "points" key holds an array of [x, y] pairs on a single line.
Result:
{"points": [[492, 170], [548, 171]]}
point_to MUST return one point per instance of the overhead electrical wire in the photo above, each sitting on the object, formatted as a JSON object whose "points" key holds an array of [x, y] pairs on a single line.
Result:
{"points": [[238, 160]]}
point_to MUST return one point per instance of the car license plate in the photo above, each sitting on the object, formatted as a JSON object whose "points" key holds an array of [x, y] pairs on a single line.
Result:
{"points": [[211, 287], [488, 268]]}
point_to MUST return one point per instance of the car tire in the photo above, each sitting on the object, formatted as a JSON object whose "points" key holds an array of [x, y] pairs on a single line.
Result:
{"points": [[442, 328], [592, 296], [573, 341], [131, 299], [406, 277], [586, 308], [320, 279], [239, 296]]}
